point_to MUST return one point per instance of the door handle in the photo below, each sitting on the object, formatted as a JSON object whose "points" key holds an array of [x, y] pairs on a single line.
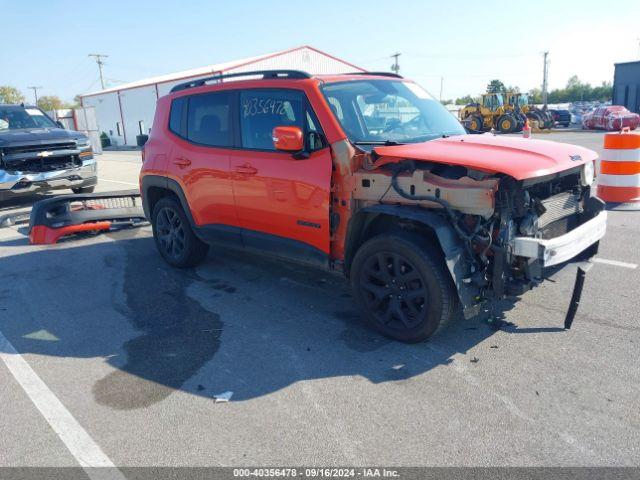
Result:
{"points": [[181, 162], [246, 169]]}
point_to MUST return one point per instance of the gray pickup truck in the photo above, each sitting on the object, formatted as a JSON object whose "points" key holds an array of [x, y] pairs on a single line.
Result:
{"points": [[37, 154]]}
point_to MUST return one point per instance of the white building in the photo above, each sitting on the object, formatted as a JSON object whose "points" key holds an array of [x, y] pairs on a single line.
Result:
{"points": [[125, 111]]}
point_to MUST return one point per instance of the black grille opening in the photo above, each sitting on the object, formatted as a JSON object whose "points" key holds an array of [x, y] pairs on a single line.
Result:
{"points": [[48, 164], [40, 148]]}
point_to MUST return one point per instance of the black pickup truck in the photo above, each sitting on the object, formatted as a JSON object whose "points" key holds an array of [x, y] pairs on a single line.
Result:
{"points": [[37, 154], [561, 117]]}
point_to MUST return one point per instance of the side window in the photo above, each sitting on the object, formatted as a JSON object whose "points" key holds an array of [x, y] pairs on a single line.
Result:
{"points": [[209, 119], [175, 116], [263, 110]]}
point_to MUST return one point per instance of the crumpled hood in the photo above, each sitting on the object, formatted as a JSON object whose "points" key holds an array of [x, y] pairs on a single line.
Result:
{"points": [[520, 158]]}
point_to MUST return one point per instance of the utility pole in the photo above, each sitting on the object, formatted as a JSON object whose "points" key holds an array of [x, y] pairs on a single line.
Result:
{"points": [[99, 57], [545, 71], [441, 87], [395, 67], [35, 93]]}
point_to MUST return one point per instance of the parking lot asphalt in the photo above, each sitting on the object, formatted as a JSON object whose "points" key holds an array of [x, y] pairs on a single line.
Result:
{"points": [[136, 352]]}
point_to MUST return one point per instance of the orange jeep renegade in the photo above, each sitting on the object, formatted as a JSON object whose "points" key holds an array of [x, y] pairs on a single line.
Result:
{"points": [[368, 175]]}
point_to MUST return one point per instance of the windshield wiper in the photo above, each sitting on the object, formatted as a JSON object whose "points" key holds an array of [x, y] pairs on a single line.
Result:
{"points": [[386, 143]]}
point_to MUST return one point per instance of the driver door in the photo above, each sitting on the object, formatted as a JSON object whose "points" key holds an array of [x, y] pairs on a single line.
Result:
{"points": [[282, 202]]}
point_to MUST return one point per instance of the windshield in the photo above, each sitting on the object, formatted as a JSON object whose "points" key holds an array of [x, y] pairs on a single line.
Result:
{"points": [[379, 111], [15, 118], [523, 100]]}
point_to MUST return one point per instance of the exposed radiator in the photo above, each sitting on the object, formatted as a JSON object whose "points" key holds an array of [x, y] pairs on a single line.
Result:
{"points": [[559, 206]]}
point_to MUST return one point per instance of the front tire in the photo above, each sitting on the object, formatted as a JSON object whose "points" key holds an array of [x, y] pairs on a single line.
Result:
{"points": [[174, 237], [475, 123], [402, 286]]}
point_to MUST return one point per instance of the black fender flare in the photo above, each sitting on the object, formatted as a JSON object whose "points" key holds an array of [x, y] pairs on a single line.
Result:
{"points": [[165, 183], [450, 243]]}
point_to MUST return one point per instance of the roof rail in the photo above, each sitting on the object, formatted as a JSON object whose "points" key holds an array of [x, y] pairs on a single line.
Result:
{"points": [[273, 74], [380, 74]]}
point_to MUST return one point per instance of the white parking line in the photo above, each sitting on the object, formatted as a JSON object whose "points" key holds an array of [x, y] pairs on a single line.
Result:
{"points": [[118, 181], [87, 452], [615, 263]]}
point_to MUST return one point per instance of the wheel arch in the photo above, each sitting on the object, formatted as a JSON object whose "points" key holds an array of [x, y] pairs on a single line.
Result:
{"points": [[155, 187], [376, 219]]}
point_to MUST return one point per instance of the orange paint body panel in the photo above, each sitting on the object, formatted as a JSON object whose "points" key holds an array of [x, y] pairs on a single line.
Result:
{"points": [[204, 175], [520, 158], [282, 196], [42, 235]]}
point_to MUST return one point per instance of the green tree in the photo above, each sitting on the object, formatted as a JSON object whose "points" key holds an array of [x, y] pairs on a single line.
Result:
{"points": [[10, 95], [467, 99], [535, 95], [50, 102], [495, 86], [76, 102]]}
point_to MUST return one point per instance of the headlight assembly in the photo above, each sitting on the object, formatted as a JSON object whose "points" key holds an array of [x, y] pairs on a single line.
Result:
{"points": [[83, 143], [587, 174]]}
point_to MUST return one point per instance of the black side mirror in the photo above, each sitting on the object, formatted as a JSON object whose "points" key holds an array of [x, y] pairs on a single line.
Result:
{"points": [[59, 123]]}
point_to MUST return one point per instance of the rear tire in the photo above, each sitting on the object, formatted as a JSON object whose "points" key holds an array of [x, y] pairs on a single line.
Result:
{"points": [[83, 189], [174, 237], [403, 286]]}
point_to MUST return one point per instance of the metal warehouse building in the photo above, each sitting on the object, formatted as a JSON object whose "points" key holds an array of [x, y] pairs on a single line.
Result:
{"points": [[126, 111], [626, 85]]}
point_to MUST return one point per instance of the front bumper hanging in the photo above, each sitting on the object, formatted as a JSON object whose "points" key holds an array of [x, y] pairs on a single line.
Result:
{"points": [[64, 215], [560, 249]]}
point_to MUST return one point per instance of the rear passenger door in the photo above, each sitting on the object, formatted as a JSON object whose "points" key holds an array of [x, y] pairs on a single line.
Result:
{"points": [[282, 201], [200, 161]]}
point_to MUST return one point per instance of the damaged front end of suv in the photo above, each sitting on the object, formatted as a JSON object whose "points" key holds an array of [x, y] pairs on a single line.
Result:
{"points": [[507, 224]]}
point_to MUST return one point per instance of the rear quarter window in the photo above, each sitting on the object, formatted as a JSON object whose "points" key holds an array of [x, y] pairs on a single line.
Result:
{"points": [[175, 117], [209, 119]]}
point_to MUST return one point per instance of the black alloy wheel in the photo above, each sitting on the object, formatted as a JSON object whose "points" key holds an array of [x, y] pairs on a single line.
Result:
{"points": [[171, 235], [395, 291]]}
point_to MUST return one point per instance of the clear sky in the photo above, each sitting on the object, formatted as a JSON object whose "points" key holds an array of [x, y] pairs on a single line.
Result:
{"points": [[45, 43]]}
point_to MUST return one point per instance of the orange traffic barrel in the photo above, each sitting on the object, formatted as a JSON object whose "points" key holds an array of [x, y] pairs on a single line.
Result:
{"points": [[619, 172]]}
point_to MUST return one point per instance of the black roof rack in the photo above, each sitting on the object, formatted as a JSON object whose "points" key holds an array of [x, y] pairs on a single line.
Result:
{"points": [[287, 74], [380, 74]]}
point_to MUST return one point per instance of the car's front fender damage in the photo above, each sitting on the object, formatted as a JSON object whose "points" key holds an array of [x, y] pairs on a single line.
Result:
{"points": [[449, 242], [499, 236]]}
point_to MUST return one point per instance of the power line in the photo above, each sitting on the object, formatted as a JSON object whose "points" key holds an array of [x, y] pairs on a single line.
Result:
{"points": [[35, 93], [99, 57]]}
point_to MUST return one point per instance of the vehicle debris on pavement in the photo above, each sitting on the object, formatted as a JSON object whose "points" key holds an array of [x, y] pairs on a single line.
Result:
{"points": [[63, 215]]}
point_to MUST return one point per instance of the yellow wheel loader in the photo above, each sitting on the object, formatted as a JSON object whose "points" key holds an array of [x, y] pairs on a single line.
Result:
{"points": [[489, 113], [518, 104]]}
